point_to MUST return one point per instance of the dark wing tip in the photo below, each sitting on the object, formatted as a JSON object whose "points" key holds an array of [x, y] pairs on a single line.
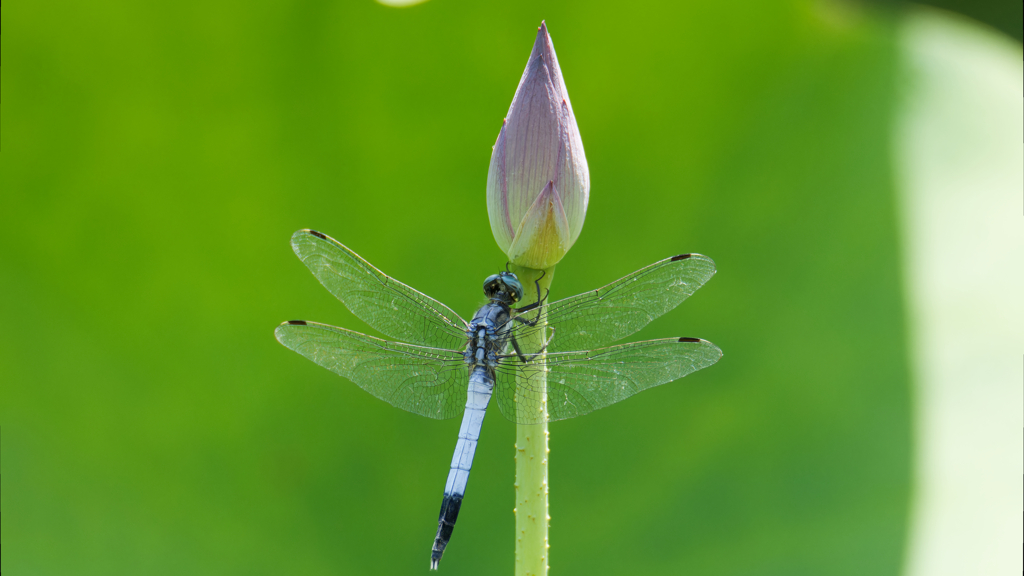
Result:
{"points": [[296, 322], [317, 234], [681, 257], [681, 339]]}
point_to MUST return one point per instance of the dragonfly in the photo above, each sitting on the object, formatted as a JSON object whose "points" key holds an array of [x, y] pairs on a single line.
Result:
{"points": [[440, 366]]}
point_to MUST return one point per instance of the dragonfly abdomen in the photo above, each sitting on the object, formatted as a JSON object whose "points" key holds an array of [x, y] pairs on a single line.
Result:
{"points": [[481, 383]]}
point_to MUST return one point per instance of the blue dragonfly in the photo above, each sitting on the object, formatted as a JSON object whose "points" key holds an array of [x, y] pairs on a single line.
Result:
{"points": [[441, 366]]}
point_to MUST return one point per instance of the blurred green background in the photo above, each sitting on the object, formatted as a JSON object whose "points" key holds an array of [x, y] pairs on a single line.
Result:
{"points": [[157, 157]]}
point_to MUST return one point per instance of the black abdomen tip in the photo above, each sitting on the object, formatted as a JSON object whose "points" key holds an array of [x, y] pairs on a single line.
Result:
{"points": [[296, 322], [681, 257], [689, 339]]}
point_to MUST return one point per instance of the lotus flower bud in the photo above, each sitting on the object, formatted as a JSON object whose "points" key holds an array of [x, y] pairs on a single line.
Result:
{"points": [[538, 184]]}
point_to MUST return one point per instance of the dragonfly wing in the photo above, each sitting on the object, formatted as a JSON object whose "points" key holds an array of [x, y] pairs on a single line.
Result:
{"points": [[577, 383], [426, 381], [384, 303], [602, 316]]}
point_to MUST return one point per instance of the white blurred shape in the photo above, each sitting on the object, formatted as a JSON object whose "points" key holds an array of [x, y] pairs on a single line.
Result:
{"points": [[960, 147], [400, 3]]}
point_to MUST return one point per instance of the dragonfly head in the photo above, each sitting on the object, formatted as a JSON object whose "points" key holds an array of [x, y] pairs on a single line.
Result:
{"points": [[503, 286]]}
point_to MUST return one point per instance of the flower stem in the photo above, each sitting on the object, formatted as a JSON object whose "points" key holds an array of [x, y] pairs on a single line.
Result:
{"points": [[531, 509]]}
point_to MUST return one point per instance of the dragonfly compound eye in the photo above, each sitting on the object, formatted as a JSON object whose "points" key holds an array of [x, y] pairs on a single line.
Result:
{"points": [[513, 286], [492, 285]]}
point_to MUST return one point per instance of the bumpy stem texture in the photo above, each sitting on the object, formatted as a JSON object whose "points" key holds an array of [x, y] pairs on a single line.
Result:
{"points": [[531, 509]]}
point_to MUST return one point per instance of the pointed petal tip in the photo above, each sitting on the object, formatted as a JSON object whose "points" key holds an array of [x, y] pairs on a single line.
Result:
{"points": [[543, 38]]}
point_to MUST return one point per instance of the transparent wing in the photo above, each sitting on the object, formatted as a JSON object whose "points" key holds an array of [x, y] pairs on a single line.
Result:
{"points": [[426, 381], [602, 316], [578, 383], [395, 309]]}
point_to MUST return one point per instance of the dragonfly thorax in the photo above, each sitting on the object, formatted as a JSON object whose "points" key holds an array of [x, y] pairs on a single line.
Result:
{"points": [[487, 334], [503, 287]]}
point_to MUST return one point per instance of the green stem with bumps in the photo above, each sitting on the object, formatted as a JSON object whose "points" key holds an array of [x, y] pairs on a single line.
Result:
{"points": [[531, 509]]}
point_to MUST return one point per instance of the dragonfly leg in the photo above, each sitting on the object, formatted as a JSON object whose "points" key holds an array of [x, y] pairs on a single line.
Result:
{"points": [[537, 304], [530, 323], [526, 358]]}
